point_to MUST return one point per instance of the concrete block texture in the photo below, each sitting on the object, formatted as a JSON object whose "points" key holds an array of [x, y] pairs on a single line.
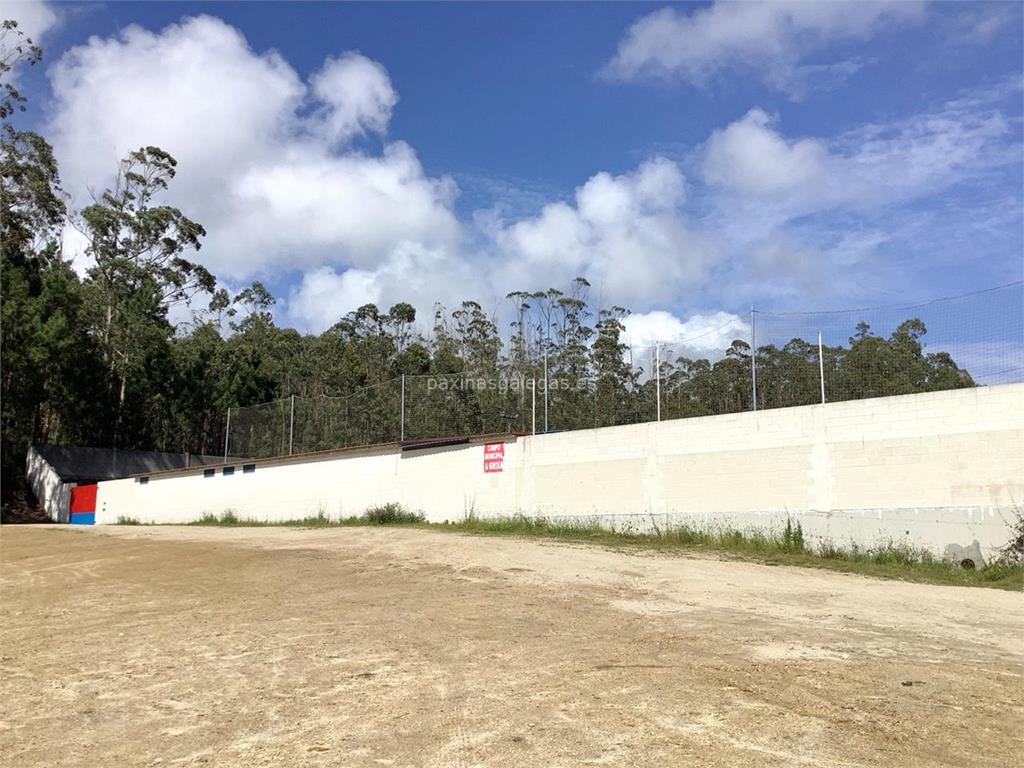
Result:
{"points": [[937, 470]]}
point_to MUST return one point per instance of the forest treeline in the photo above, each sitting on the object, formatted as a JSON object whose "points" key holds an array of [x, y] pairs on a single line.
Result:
{"points": [[94, 359]]}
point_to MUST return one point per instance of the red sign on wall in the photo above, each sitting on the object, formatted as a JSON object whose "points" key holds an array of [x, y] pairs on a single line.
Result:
{"points": [[494, 457]]}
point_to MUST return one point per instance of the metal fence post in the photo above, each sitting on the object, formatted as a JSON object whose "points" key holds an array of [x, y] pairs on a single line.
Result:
{"points": [[291, 427], [753, 359], [533, 404], [821, 367], [657, 376], [227, 436], [401, 415], [545, 388]]}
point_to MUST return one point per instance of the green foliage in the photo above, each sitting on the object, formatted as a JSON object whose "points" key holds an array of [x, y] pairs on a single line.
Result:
{"points": [[1012, 553], [887, 561], [793, 537], [227, 518], [15, 48], [392, 513]]}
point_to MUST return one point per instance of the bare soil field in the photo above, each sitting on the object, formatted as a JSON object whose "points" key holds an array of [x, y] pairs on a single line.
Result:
{"points": [[402, 647]]}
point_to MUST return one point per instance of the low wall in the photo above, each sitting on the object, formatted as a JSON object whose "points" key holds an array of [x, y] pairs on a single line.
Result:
{"points": [[943, 471], [447, 483]]}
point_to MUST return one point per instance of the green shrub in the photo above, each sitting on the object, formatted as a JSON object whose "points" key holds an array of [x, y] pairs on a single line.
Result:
{"points": [[1012, 552], [228, 518], [392, 513]]}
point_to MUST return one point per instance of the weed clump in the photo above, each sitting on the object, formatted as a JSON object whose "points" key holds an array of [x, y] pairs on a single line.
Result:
{"points": [[1012, 552], [392, 513], [793, 537]]}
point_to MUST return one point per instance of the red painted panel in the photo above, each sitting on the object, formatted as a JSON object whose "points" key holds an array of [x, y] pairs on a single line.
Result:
{"points": [[83, 498]]}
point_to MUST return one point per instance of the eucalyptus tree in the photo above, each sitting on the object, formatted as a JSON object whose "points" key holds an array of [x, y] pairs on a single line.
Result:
{"points": [[613, 376], [138, 246]]}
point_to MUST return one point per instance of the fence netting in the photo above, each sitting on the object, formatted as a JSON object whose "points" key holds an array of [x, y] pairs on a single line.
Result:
{"points": [[802, 358]]}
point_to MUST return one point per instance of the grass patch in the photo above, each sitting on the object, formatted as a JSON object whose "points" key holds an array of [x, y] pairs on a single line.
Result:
{"points": [[386, 514], [228, 519], [785, 547]]}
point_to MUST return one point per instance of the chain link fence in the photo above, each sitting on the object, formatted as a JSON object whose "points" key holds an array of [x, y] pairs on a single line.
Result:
{"points": [[801, 358]]}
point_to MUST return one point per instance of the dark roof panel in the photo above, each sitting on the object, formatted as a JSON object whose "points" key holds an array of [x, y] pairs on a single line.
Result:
{"points": [[75, 464]]}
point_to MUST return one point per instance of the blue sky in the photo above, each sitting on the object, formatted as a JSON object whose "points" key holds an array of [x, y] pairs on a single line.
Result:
{"points": [[689, 160]]}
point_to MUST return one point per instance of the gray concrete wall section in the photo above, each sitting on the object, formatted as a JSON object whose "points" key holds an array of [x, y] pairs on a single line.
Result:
{"points": [[50, 490]]}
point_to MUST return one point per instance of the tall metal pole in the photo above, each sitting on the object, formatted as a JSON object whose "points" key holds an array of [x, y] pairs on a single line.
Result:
{"points": [[533, 398], [753, 358], [657, 376], [291, 427], [545, 388], [227, 436], [401, 418], [821, 367]]}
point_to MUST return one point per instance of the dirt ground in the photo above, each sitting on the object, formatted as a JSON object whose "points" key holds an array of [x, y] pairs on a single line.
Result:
{"points": [[399, 647]]}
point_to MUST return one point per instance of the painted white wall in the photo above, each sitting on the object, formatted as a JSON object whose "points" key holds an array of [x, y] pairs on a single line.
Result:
{"points": [[53, 495], [445, 483], [932, 470]]}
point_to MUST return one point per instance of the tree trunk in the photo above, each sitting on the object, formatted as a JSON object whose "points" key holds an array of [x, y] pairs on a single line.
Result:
{"points": [[120, 402]]}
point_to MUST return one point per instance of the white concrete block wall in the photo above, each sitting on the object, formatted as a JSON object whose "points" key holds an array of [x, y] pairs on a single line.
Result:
{"points": [[444, 483], [932, 470]]}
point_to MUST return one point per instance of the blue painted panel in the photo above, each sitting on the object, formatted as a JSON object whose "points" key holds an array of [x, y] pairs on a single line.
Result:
{"points": [[83, 518]]}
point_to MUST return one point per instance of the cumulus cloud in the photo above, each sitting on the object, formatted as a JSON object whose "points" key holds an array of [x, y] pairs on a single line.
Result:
{"points": [[750, 157], [262, 157], [700, 335], [851, 215], [874, 165], [769, 39], [324, 295], [625, 234], [411, 273], [357, 96], [266, 163]]}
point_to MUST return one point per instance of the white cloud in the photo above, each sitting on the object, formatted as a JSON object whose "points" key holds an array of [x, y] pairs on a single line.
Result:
{"points": [[352, 209], [849, 217], [325, 296], [698, 336], [357, 96], [749, 157], [269, 177], [872, 166], [35, 18], [265, 163], [411, 273], [769, 39], [625, 234]]}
